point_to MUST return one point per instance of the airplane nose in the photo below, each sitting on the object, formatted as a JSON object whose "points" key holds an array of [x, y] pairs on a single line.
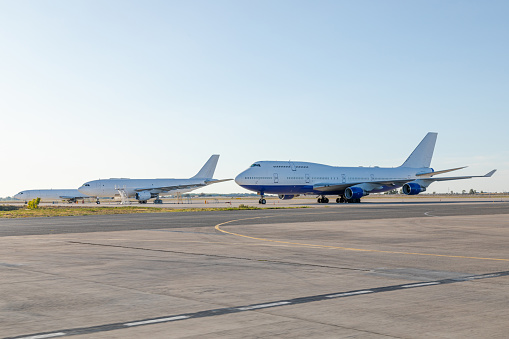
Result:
{"points": [[239, 178]]}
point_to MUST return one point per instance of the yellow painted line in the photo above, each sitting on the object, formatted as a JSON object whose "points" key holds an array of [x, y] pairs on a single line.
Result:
{"points": [[218, 227]]}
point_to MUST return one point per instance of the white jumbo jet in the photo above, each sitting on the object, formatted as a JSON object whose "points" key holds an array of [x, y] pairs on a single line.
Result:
{"points": [[145, 189], [289, 179], [71, 195]]}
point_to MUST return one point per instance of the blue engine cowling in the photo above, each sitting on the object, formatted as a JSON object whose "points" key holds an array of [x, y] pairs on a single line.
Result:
{"points": [[143, 195], [413, 188], [286, 196], [354, 193]]}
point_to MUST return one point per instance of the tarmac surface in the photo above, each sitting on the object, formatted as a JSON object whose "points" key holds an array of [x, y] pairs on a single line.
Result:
{"points": [[370, 270]]}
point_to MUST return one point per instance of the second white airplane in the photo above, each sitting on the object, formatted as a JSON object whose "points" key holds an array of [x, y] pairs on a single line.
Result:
{"points": [[145, 189], [289, 179]]}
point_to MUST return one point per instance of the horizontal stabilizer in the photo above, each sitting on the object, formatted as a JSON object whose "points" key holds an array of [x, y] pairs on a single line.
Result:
{"points": [[430, 174], [215, 181]]}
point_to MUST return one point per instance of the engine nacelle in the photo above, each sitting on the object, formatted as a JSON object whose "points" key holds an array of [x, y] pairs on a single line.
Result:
{"points": [[286, 196], [143, 195], [354, 193], [413, 188]]}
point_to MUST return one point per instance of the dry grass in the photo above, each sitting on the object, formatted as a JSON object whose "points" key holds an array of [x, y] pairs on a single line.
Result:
{"points": [[61, 211]]}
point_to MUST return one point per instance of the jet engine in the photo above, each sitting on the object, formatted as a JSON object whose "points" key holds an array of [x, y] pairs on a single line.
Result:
{"points": [[286, 196], [413, 188], [354, 193], [143, 195]]}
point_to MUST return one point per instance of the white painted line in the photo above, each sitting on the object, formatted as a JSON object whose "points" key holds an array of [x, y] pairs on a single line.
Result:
{"points": [[348, 294], [421, 284], [43, 336], [482, 276], [155, 321], [247, 308]]}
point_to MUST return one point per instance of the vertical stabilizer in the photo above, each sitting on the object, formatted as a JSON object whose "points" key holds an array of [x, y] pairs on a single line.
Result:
{"points": [[207, 171], [422, 154]]}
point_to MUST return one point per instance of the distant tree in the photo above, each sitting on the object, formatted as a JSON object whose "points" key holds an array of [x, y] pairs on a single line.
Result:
{"points": [[472, 191]]}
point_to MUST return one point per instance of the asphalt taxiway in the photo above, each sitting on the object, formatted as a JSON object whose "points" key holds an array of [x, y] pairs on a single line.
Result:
{"points": [[414, 270]]}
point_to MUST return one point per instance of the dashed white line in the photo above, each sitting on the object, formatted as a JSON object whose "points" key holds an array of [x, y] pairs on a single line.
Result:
{"points": [[254, 307], [154, 321], [43, 336], [348, 294], [482, 276], [421, 284]]}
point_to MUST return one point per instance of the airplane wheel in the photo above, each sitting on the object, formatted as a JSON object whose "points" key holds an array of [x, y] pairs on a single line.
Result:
{"points": [[263, 201], [338, 200], [325, 200], [319, 200], [98, 202]]}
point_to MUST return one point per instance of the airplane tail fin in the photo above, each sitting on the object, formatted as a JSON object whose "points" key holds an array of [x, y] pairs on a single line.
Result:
{"points": [[422, 154], [207, 171]]}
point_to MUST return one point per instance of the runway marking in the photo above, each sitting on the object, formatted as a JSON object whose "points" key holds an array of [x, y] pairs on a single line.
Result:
{"points": [[159, 320], [257, 307], [218, 227], [421, 284], [43, 336], [247, 308], [348, 294]]}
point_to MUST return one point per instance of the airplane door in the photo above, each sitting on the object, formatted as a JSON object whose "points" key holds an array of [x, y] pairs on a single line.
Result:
{"points": [[276, 178], [307, 178], [343, 178], [292, 165], [372, 176]]}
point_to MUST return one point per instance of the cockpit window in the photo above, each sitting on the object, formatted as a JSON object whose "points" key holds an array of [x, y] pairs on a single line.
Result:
{"points": [[86, 184], [256, 165], [20, 193]]}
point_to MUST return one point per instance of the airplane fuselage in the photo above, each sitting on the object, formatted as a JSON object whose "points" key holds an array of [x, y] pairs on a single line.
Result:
{"points": [[111, 187], [291, 178], [51, 194]]}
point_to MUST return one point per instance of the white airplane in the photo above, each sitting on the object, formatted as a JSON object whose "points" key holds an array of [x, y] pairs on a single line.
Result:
{"points": [[289, 179], [145, 189], [71, 195]]}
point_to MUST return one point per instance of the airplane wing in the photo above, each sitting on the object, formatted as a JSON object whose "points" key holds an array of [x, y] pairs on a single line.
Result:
{"points": [[69, 197], [398, 182], [487, 175], [180, 187], [171, 188]]}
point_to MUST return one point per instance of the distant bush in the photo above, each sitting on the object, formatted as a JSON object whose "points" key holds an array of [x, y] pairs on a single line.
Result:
{"points": [[34, 203]]}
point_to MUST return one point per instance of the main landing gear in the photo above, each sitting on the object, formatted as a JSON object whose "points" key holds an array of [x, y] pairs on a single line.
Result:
{"points": [[262, 200], [343, 200], [158, 201], [323, 200]]}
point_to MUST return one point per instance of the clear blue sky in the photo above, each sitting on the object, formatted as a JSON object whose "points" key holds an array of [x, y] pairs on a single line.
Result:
{"points": [[143, 89]]}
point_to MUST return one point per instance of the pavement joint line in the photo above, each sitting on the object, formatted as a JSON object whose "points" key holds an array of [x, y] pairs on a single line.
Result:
{"points": [[218, 227], [255, 307], [219, 256]]}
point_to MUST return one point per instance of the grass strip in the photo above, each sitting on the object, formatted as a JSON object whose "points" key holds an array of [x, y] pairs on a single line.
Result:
{"points": [[62, 211]]}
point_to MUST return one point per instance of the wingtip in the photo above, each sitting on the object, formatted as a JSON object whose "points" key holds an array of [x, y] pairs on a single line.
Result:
{"points": [[489, 174]]}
